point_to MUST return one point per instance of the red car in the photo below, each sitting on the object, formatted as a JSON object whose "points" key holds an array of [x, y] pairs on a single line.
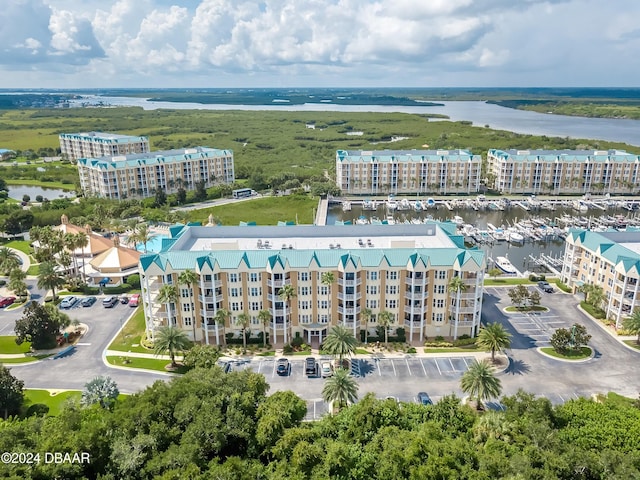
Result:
{"points": [[6, 301]]}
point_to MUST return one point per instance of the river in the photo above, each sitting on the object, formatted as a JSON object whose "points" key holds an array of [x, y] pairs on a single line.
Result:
{"points": [[477, 112]]}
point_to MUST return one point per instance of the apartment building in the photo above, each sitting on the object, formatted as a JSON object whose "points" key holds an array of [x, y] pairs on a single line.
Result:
{"points": [[139, 175], [408, 172], [554, 172], [101, 144], [609, 259], [403, 269]]}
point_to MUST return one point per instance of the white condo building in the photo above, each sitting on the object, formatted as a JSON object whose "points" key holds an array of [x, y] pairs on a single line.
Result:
{"points": [[101, 144]]}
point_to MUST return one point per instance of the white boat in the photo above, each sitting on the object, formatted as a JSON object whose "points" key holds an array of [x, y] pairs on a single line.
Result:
{"points": [[362, 220], [514, 236], [505, 265], [346, 206], [579, 205], [416, 221], [417, 206], [458, 220], [404, 204]]}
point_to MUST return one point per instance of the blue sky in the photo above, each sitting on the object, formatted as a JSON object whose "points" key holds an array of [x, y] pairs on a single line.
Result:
{"points": [[318, 43]]}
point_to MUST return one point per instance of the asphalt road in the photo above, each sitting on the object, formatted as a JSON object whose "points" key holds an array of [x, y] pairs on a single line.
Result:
{"points": [[613, 368]]}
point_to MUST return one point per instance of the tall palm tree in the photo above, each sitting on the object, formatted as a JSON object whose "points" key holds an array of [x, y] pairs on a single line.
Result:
{"points": [[16, 282], [219, 318], [70, 240], [49, 278], [142, 234], [480, 383], [189, 278], [170, 339], [494, 337], [341, 388], [456, 285], [8, 260], [264, 316], [327, 279], [243, 321], [286, 293], [340, 342], [168, 294], [365, 315], [632, 324], [385, 320]]}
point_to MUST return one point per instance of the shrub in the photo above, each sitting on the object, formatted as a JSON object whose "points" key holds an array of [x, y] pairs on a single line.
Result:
{"points": [[38, 410], [439, 338], [3, 283], [134, 280], [287, 349], [411, 350], [461, 342], [298, 341], [401, 334]]}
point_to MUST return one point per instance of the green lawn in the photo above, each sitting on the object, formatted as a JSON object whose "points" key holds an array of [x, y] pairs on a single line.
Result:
{"points": [[267, 354], [471, 348], [54, 402], [632, 343], [21, 245], [128, 340], [488, 282], [8, 345], [594, 312], [534, 308], [362, 351], [613, 398], [585, 352], [33, 270], [263, 211], [146, 363], [30, 358]]}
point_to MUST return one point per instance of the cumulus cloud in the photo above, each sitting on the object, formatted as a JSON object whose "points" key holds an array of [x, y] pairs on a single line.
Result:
{"points": [[343, 41]]}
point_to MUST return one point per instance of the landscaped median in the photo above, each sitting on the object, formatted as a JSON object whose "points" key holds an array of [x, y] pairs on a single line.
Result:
{"points": [[144, 363], [581, 354]]}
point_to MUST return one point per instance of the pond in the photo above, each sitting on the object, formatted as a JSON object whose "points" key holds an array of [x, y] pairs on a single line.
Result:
{"points": [[18, 191]]}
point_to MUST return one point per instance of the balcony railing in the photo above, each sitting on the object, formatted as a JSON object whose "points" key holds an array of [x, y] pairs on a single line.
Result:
{"points": [[278, 283], [211, 327], [349, 310], [349, 296], [349, 283]]}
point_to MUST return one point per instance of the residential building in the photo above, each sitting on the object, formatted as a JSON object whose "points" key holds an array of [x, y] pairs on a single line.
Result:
{"points": [[6, 154], [408, 172], [139, 175], [101, 144], [610, 260], [403, 269], [555, 172]]}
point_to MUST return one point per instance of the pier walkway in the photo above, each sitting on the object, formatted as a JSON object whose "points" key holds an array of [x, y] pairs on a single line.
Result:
{"points": [[321, 214]]}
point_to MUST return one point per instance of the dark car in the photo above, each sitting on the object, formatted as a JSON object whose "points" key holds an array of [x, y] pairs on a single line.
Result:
{"points": [[545, 287], [424, 399], [124, 300], [89, 301], [6, 301], [310, 366], [282, 367]]}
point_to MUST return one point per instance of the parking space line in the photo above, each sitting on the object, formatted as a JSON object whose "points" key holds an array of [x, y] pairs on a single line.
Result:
{"points": [[423, 369], [394, 369], [452, 367], [260, 366], [408, 367], [439, 371], [576, 395], [377, 362], [465, 361], [561, 398], [273, 373]]}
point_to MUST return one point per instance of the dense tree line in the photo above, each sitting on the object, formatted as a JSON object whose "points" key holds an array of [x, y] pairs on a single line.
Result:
{"points": [[208, 424]]}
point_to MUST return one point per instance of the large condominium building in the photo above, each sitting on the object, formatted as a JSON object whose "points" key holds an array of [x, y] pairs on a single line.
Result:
{"points": [[407, 171], [564, 171], [100, 144], [406, 270], [610, 260], [139, 175]]}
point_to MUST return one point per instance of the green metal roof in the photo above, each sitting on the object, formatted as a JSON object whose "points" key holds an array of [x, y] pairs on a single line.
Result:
{"points": [[404, 156], [565, 156], [608, 244]]}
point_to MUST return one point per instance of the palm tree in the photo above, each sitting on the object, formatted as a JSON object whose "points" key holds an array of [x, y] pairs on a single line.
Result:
{"points": [[457, 285], [49, 278], [170, 339], [365, 315], [632, 324], [340, 342], [494, 337], [219, 318], [243, 321], [286, 293], [189, 278], [168, 294], [16, 282], [480, 383], [327, 279], [264, 316], [142, 234], [8, 260], [385, 320], [340, 388]]}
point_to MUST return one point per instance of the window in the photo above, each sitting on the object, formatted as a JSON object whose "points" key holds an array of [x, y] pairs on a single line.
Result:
{"points": [[372, 289], [236, 306], [323, 318], [207, 278], [390, 303], [323, 304], [254, 277], [303, 276], [372, 275], [438, 289], [255, 306], [187, 321], [255, 291], [305, 318], [184, 292], [302, 291], [438, 303], [186, 307], [372, 304], [392, 289], [323, 290], [392, 275], [304, 305], [233, 277], [442, 274], [235, 292]]}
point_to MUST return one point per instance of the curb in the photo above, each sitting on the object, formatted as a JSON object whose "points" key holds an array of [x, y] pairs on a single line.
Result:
{"points": [[580, 360], [606, 330]]}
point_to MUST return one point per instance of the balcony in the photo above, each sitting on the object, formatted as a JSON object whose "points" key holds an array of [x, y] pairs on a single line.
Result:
{"points": [[349, 296], [348, 310], [412, 310], [349, 283], [211, 327], [278, 283], [347, 324]]}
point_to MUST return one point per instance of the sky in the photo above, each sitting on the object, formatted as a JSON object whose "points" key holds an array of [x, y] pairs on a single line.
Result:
{"points": [[318, 43]]}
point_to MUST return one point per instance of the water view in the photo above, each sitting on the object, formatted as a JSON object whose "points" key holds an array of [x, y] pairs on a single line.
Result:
{"points": [[17, 192]]}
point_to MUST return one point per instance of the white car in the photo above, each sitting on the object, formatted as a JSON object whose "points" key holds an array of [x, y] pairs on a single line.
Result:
{"points": [[68, 302], [326, 370]]}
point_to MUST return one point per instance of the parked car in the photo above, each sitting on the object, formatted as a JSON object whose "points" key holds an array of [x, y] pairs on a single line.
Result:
{"points": [[545, 287], [326, 369], [6, 301], [225, 366], [124, 300], [134, 301], [282, 367], [424, 399], [110, 302], [68, 302], [310, 366], [89, 301]]}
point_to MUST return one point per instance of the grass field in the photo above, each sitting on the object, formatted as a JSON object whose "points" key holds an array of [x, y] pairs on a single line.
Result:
{"points": [[128, 340], [21, 245], [8, 345], [54, 402], [263, 211], [29, 359], [33, 270], [633, 344], [583, 353], [145, 363]]}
